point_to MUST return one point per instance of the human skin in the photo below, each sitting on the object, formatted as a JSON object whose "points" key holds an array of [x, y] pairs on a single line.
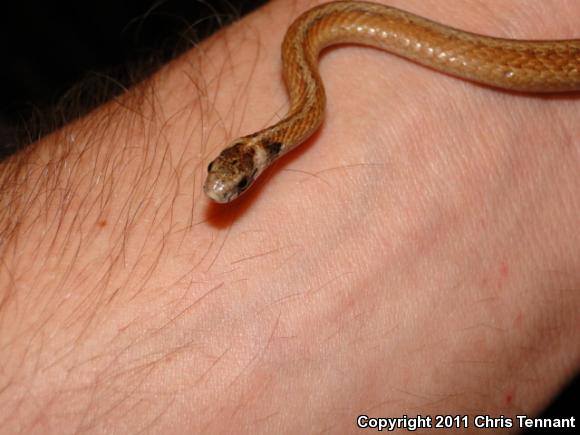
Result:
{"points": [[419, 255]]}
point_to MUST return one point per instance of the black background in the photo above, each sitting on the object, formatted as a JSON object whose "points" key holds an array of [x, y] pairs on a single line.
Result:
{"points": [[48, 47]]}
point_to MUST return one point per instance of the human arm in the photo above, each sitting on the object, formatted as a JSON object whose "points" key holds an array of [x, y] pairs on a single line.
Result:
{"points": [[419, 255]]}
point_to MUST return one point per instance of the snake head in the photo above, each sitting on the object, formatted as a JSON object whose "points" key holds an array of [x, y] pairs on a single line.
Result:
{"points": [[231, 173]]}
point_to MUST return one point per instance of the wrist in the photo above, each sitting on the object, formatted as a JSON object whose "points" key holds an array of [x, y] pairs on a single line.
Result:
{"points": [[414, 248]]}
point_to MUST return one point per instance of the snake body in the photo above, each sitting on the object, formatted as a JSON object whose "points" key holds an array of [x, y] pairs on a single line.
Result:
{"points": [[519, 65]]}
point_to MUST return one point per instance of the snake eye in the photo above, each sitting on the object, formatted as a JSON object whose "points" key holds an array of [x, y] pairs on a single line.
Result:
{"points": [[209, 167], [243, 184]]}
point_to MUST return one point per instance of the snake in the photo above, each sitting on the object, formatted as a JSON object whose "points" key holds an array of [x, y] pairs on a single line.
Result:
{"points": [[528, 66]]}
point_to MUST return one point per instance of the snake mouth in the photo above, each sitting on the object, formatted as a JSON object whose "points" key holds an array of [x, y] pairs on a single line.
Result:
{"points": [[221, 192], [217, 190]]}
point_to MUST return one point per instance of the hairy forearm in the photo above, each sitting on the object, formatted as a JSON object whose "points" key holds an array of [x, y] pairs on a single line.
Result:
{"points": [[424, 270], [98, 235]]}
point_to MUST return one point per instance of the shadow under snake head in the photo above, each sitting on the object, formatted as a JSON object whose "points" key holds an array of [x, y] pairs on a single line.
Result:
{"points": [[233, 172]]}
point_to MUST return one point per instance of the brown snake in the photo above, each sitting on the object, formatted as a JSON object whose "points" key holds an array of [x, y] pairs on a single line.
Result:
{"points": [[525, 66]]}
